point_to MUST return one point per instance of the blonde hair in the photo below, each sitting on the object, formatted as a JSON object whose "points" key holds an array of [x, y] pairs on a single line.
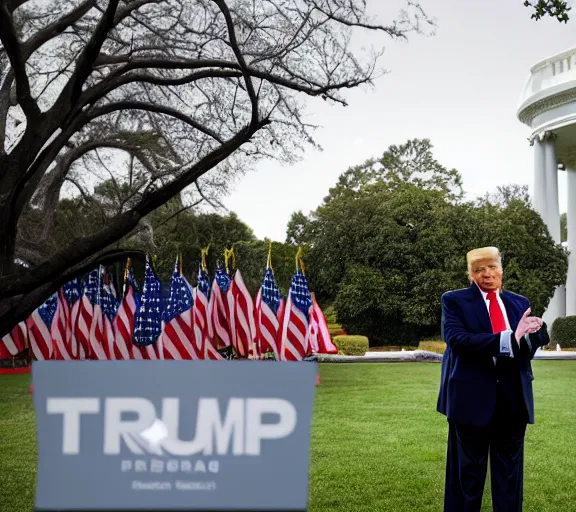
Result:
{"points": [[483, 253]]}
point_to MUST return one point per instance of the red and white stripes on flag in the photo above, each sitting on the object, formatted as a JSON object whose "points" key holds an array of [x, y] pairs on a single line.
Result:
{"points": [[145, 352], [218, 311], [100, 336], [39, 337], [73, 345], [123, 326], [294, 333], [61, 328], [83, 326], [203, 329], [241, 308], [320, 340], [178, 337], [267, 327], [14, 342]]}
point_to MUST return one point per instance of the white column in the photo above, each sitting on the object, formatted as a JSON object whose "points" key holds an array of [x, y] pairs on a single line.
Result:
{"points": [[552, 200], [539, 179], [557, 305], [571, 220]]}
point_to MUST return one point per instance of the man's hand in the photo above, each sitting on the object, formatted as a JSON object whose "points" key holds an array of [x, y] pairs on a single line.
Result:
{"points": [[527, 325]]}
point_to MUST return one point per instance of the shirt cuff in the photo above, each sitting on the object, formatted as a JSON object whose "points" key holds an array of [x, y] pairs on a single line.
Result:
{"points": [[527, 338], [505, 344]]}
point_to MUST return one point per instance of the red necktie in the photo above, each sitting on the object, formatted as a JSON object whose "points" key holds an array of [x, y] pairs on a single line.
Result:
{"points": [[496, 316]]}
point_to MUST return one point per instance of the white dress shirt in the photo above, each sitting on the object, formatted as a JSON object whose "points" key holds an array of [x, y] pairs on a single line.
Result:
{"points": [[505, 336]]}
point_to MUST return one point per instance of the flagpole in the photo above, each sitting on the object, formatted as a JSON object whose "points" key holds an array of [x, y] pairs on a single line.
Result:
{"points": [[269, 261], [125, 285]]}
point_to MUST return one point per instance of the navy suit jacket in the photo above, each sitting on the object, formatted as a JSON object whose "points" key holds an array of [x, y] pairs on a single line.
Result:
{"points": [[468, 383]]}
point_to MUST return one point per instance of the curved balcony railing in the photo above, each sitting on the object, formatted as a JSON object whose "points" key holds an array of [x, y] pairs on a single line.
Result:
{"points": [[551, 77]]}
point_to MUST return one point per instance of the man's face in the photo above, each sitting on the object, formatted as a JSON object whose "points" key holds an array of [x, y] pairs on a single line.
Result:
{"points": [[487, 274]]}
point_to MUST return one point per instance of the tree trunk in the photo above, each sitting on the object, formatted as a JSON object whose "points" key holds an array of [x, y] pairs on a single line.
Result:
{"points": [[7, 241], [18, 309]]}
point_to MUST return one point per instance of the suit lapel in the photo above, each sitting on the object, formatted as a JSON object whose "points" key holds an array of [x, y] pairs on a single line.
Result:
{"points": [[479, 306], [511, 310]]}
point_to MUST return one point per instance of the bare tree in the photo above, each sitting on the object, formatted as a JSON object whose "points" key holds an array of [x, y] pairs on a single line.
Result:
{"points": [[159, 92]]}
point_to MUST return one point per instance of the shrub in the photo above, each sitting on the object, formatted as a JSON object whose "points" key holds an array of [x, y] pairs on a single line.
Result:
{"points": [[333, 326], [563, 332], [432, 346], [330, 315], [337, 332], [351, 345]]}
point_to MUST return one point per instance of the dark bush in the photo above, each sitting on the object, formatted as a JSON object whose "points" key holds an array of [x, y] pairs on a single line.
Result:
{"points": [[563, 332]]}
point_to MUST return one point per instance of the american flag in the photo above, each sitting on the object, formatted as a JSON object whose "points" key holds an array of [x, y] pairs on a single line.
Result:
{"points": [[178, 331], [148, 318], [320, 340], [85, 315], [294, 332], [124, 320], [242, 309], [203, 328], [268, 303], [218, 309], [39, 324], [72, 293], [14, 342], [60, 327], [109, 309], [98, 334]]}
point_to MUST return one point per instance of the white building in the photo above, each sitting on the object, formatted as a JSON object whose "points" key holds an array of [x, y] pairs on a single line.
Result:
{"points": [[548, 107]]}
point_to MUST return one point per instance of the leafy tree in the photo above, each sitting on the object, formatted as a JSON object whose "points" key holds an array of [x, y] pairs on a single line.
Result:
{"points": [[411, 162], [386, 254], [563, 227], [154, 94], [251, 257], [175, 229], [299, 230], [504, 194], [554, 8]]}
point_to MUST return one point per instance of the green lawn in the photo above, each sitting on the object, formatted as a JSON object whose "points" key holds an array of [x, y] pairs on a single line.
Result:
{"points": [[377, 442]]}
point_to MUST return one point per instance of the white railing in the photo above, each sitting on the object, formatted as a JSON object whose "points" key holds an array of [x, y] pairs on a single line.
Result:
{"points": [[557, 64], [550, 76]]}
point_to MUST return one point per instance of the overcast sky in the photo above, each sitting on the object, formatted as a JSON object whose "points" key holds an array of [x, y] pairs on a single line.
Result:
{"points": [[459, 88]]}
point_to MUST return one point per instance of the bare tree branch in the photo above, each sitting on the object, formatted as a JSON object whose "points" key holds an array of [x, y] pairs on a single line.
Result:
{"points": [[72, 91], [56, 28], [159, 109], [238, 53], [13, 285], [14, 4], [17, 61]]}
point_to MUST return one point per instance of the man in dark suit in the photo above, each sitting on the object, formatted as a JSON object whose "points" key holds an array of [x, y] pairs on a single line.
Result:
{"points": [[486, 386]]}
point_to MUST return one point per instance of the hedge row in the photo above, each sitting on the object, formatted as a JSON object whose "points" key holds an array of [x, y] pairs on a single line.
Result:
{"points": [[432, 346], [563, 332], [351, 345]]}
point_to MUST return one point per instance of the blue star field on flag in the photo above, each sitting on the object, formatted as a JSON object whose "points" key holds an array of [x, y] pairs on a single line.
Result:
{"points": [[148, 318], [300, 293], [108, 302], [180, 299], [203, 282], [223, 279], [71, 291], [91, 286], [270, 292], [48, 309]]}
